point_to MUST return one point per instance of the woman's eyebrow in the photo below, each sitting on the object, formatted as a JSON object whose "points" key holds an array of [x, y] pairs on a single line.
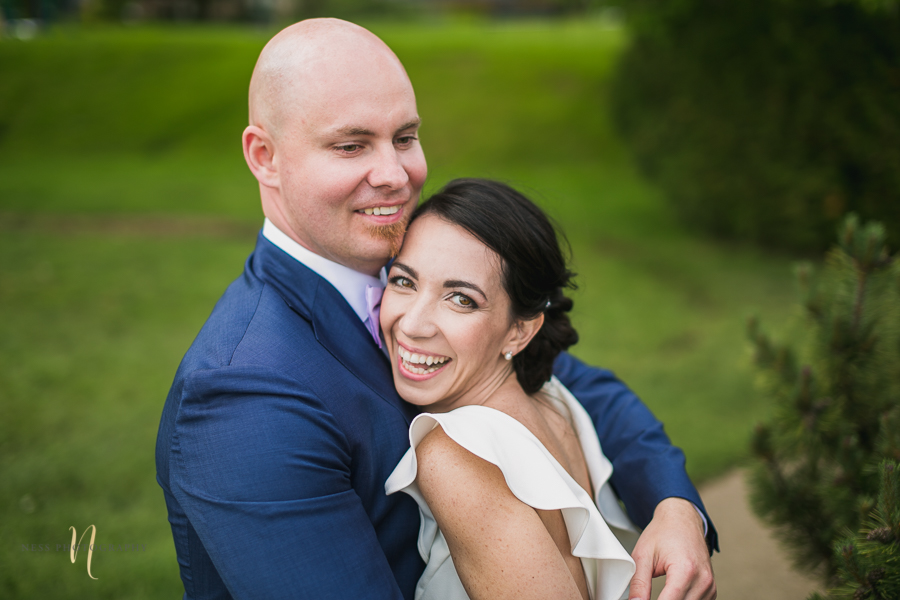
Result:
{"points": [[406, 268], [458, 283]]}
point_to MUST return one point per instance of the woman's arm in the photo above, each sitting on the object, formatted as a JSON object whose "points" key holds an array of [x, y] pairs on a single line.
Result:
{"points": [[500, 546]]}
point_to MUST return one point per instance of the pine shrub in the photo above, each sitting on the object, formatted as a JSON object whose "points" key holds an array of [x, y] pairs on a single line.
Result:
{"points": [[869, 561], [826, 470]]}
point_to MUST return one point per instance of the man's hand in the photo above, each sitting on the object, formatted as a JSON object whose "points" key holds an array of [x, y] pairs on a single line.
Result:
{"points": [[673, 545]]}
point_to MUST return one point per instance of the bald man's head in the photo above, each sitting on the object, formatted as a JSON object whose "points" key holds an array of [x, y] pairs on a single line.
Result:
{"points": [[310, 60], [333, 141]]}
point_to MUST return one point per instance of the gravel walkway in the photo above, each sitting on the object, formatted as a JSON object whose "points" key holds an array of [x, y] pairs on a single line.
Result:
{"points": [[752, 565]]}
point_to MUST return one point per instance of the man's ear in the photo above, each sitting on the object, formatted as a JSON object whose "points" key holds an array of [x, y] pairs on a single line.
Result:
{"points": [[259, 152], [523, 332]]}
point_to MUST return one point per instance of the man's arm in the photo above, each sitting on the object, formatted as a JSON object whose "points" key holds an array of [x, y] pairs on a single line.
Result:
{"points": [[263, 476], [650, 479]]}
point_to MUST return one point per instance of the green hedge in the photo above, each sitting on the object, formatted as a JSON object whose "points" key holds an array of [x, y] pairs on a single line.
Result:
{"points": [[766, 120]]}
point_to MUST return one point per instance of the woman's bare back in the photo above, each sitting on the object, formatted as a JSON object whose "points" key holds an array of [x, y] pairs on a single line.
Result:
{"points": [[554, 429]]}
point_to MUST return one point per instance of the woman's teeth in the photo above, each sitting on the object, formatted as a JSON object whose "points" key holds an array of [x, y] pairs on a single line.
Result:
{"points": [[382, 210], [430, 363]]}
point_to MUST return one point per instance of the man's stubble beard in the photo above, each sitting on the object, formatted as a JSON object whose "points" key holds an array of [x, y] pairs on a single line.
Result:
{"points": [[393, 234]]}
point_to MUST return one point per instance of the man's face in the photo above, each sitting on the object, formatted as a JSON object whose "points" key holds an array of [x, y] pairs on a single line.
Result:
{"points": [[351, 167]]}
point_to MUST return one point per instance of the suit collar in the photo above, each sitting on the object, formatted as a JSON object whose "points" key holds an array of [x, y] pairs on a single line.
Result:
{"points": [[335, 324], [351, 284]]}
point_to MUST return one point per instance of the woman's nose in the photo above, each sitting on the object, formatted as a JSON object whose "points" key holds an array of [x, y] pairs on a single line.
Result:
{"points": [[418, 319]]}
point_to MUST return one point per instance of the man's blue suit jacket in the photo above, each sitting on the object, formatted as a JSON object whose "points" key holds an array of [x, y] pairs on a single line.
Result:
{"points": [[282, 426]]}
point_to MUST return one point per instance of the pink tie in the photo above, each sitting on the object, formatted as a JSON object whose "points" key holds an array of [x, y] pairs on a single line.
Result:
{"points": [[373, 310]]}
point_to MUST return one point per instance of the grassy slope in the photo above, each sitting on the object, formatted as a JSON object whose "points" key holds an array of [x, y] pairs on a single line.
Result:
{"points": [[139, 122]]}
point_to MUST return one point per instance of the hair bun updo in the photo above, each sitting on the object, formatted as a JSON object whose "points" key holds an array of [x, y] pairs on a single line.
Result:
{"points": [[535, 274]]}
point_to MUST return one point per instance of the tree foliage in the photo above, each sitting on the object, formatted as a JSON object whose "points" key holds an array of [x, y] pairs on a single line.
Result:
{"points": [[869, 561], [766, 120], [836, 387]]}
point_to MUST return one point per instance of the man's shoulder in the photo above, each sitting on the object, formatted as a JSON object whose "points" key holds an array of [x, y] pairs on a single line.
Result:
{"points": [[272, 293], [278, 330], [250, 317], [263, 328], [247, 347]]}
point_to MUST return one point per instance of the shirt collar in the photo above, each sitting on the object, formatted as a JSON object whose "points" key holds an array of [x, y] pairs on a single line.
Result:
{"points": [[349, 283]]}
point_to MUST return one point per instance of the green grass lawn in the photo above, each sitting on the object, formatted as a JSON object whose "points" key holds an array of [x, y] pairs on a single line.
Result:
{"points": [[125, 210]]}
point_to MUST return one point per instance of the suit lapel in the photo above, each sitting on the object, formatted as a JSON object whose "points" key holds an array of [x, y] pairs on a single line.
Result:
{"points": [[335, 325], [342, 333]]}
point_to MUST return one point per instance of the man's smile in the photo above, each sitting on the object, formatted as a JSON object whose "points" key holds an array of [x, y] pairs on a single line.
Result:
{"points": [[381, 210]]}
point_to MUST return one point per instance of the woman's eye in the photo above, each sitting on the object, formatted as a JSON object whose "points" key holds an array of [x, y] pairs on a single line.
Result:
{"points": [[463, 301], [401, 281]]}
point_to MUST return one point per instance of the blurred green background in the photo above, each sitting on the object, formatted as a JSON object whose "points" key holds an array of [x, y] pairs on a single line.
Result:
{"points": [[126, 209]]}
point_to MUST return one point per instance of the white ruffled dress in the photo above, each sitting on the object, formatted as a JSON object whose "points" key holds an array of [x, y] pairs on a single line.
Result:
{"points": [[598, 528]]}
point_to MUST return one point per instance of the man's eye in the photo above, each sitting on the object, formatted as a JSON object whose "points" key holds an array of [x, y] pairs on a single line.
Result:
{"points": [[463, 301], [349, 148], [406, 140]]}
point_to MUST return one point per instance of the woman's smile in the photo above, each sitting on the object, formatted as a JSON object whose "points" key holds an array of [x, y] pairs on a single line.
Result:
{"points": [[419, 365]]}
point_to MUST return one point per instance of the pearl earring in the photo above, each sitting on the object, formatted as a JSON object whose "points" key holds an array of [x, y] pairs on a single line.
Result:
{"points": [[508, 356]]}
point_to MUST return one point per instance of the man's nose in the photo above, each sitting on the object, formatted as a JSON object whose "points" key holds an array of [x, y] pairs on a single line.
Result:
{"points": [[388, 170]]}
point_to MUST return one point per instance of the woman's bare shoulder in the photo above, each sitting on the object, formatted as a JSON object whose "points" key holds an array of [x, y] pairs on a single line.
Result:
{"points": [[497, 541], [448, 472]]}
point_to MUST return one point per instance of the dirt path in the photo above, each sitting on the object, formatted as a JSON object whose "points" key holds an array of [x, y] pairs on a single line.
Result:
{"points": [[751, 566]]}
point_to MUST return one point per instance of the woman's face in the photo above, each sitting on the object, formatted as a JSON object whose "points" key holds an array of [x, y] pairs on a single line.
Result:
{"points": [[446, 317]]}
